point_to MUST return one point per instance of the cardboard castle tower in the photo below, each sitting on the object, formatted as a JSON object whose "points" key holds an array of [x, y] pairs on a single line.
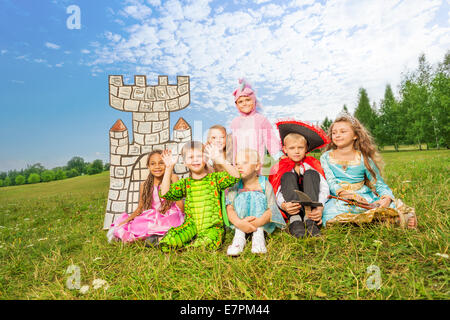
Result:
{"points": [[150, 107]]}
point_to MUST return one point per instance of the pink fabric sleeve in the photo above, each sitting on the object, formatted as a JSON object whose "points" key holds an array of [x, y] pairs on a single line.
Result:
{"points": [[273, 143]]}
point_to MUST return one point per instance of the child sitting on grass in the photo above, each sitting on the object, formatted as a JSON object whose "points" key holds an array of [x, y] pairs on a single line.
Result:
{"points": [[302, 173], [202, 197], [153, 216], [352, 168], [251, 205]]}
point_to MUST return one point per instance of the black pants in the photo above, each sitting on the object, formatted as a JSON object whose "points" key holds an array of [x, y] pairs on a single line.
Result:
{"points": [[309, 184]]}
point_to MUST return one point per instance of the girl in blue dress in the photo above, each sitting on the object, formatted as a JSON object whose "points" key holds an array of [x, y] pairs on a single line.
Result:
{"points": [[251, 205], [352, 170]]}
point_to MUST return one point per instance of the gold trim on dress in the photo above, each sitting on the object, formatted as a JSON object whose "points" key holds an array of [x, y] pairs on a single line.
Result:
{"points": [[347, 186], [346, 163]]}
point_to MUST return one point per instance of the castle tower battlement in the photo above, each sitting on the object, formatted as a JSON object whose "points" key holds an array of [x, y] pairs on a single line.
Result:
{"points": [[150, 107]]}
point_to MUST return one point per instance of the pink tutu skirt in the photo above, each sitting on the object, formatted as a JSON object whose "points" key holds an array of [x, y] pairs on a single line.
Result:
{"points": [[150, 222]]}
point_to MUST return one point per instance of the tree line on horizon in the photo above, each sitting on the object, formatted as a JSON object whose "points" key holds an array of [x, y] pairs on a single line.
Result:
{"points": [[38, 173], [418, 115]]}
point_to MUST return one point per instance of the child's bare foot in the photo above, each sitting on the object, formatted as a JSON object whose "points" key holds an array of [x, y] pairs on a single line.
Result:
{"points": [[412, 222]]}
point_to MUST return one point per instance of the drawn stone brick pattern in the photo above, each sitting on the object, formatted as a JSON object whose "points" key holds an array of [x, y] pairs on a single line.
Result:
{"points": [[150, 107]]}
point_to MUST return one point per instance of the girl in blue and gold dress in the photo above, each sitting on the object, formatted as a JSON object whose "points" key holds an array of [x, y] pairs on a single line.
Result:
{"points": [[352, 169]]}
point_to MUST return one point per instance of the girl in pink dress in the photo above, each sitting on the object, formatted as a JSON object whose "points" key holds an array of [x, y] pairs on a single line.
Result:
{"points": [[154, 216], [251, 130]]}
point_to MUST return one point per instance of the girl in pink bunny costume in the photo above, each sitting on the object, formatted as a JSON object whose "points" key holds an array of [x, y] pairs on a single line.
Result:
{"points": [[251, 129]]}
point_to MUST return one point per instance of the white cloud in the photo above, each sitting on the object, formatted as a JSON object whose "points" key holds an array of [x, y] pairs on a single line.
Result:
{"points": [[3, 52], [137, 10], [309, 58], [85, 51], [52, 45]]}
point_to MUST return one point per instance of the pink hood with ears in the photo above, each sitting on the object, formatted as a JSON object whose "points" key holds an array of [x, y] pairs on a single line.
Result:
{"points": [[245, 90]]}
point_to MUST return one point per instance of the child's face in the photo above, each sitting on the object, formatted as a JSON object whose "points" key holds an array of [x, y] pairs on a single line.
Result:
{"points": [[195, 161], [246, 166], [342, 134], [156, 165], [245, 104], [295, 148], [217, 137]]}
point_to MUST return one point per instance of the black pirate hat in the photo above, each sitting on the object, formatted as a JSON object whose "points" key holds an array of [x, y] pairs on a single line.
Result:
{"points": [[315, 136]]}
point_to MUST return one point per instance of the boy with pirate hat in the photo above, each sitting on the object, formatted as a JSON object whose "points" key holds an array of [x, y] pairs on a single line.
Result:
{"points": [[299, 180]]}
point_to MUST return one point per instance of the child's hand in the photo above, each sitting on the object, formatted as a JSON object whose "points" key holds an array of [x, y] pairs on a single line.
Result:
{"points": [[384, 202], [168, 159], [245, 225], [316, 214], [214, 153], [291, 207], [352, 196]]}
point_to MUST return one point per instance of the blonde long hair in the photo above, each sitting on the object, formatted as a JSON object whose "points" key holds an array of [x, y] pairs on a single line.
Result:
{"points": [[364, 143]]}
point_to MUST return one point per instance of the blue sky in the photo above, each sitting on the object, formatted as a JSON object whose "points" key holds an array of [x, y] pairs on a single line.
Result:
{"points": [[305, 59]]}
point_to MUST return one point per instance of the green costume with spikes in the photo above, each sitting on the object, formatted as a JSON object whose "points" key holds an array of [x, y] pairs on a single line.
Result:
{"points": [[203, 211]]}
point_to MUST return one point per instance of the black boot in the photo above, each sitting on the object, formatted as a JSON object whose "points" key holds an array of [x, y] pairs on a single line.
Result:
{"points": [[311, 228], [297, 228], [152, 241]]}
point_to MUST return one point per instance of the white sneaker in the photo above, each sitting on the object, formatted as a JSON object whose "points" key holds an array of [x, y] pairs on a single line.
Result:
{"points": [[258, 241], [238, 244]]}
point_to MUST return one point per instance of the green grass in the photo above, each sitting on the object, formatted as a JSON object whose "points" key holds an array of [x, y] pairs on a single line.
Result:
{"points": [[46, 227]]}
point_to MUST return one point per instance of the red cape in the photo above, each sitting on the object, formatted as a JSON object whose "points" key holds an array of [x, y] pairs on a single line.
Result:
{"points": [[286, 165]]}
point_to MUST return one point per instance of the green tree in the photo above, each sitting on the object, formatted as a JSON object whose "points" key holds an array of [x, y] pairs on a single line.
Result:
{"points": [[33, 178], [78, 164], [364, 112], [1, 182], [72, 173], [47, 175], [97, 165], [7, 182], [106, 167], [60, 174], [326, 124], [35, 168], [389, 129], [19, 180], [415, 93], [440, 103]]}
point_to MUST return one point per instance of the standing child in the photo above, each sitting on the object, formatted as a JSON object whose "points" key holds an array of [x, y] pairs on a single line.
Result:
{"points": [[153, 216], [251, 205], [302, 173], [352, 168], [251, 129], [217, 135], [202, 197]]}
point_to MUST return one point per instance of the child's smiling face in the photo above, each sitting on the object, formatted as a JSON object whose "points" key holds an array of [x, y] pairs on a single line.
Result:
{"points": [[194, 159], [342, 134], [245, 104], [156, 165], [217, 137], [295, 148]]}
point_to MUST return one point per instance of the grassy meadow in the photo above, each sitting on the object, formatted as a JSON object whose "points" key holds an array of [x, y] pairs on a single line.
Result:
{"points": [[47, 227]]}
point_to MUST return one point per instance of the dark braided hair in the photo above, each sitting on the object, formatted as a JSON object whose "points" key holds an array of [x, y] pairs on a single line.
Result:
{"points": [[147, 190]]}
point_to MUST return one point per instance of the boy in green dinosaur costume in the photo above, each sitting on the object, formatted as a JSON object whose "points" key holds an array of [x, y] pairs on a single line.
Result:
{"points": [[201, 190]]}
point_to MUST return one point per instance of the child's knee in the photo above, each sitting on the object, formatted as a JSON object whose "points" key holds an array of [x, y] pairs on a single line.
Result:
{"points": [[289, 177], [312, 175]]}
